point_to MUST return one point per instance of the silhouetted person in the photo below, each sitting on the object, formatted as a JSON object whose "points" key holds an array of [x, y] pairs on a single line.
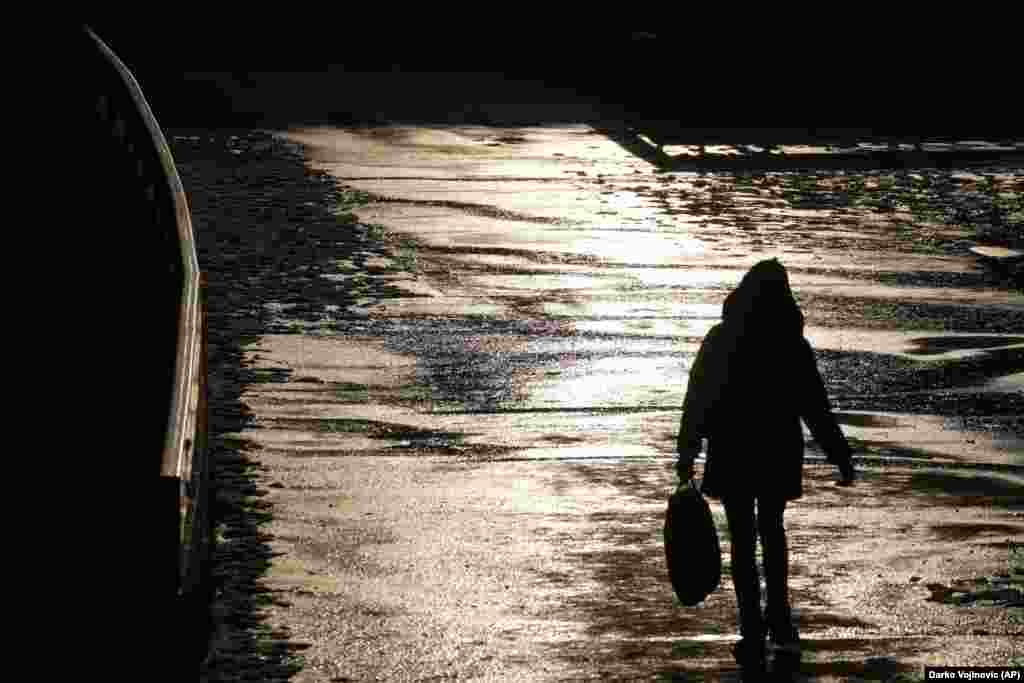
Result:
{"points": [[754, 378]]}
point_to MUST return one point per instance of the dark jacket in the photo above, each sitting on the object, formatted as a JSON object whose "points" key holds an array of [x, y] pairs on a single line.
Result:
{"points": [[754, 378]]}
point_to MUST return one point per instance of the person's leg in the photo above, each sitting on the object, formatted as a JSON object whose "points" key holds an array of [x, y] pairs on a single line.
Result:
{"points": [[778, 616], [740, 513]]}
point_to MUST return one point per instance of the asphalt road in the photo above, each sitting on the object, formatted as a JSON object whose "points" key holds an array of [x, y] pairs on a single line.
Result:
{"points": [[463, 460]]}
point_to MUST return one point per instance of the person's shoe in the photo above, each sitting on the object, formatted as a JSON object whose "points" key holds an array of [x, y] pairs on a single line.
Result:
{"points": [[847, 475], [785, 638], [751, 656]]}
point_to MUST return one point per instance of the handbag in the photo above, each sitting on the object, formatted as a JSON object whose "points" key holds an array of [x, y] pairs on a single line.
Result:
{"points": [[692, 551]]}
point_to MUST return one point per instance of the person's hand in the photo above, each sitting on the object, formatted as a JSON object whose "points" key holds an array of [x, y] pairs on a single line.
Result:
{"points": [[684, 468], [847, 475]]}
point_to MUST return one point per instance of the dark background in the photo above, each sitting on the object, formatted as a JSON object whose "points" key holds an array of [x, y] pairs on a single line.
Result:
{"points": [[173, 61], [888, 82]]}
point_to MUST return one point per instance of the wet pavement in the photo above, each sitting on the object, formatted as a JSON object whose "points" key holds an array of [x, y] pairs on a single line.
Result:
{"points": [[597, 276], [462, 436]]}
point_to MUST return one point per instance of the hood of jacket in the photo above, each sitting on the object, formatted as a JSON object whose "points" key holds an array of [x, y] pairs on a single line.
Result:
{"points": [[763, 303]]}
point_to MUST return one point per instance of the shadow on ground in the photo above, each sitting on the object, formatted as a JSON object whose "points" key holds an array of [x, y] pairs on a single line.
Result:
{"points": [[271, 246], [269, 241], [634, 622], [761, 148], [925, 210], [950, 488]]}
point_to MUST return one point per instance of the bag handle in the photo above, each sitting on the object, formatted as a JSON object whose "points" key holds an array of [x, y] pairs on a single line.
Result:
{"points": [[691, 484]]}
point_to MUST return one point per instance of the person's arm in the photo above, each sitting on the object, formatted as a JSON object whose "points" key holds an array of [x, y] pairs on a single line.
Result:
{"points": [[816, 411], [693, 423]]}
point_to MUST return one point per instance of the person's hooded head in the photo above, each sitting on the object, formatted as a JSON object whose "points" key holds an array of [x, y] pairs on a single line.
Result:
{"points": [[763, 304]]}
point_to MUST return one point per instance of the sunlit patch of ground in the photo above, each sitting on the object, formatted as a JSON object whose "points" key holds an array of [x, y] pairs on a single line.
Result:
{"points": [[466, 441]]}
